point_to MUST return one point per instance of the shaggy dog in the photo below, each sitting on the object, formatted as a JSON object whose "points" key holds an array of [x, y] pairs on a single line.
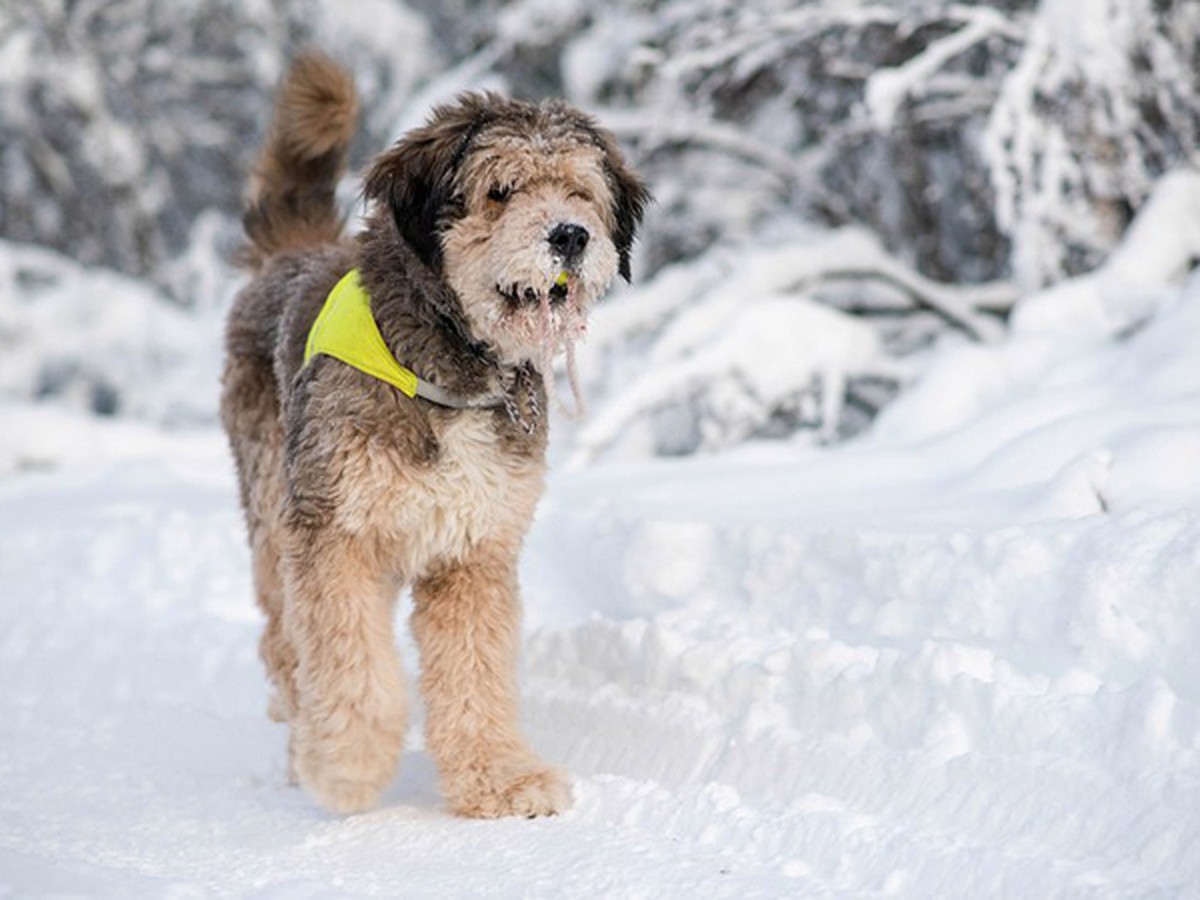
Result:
{"points": [[490, 231]]}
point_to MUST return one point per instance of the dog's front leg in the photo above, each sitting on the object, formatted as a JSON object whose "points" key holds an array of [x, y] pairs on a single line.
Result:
{"points": [[466, 619], [349, 725]]}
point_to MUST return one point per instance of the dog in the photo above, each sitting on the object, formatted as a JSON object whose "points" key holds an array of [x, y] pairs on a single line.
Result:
{"points": [[489, 232]]}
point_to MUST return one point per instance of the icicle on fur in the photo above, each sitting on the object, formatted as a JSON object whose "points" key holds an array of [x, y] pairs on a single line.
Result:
{"points": [[550, 341]]}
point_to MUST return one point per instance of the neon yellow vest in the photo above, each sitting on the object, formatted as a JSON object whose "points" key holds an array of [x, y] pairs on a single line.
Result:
{"points": [[346, 330]]}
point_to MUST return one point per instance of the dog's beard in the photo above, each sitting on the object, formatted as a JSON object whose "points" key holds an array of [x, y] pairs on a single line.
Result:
{"points": [[537, 320], [548, 320], [542, 317], [525, 303]]}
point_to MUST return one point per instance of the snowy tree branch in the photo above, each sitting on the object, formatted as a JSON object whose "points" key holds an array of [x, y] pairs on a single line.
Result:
{"points": [[657, 132], [887, 89]]}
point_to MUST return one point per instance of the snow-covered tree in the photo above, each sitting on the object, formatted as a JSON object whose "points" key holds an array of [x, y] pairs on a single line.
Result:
{"points": [[122, 123], [1105, 99], [867, 175]]}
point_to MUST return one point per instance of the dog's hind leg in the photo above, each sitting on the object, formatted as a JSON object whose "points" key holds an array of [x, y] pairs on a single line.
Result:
{"points": [[274, 646], [466, 619], [348, 729], [250, 412]]}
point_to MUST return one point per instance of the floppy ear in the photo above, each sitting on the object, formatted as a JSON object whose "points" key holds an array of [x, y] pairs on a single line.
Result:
{"points": [[416, 178], [630, 197]]}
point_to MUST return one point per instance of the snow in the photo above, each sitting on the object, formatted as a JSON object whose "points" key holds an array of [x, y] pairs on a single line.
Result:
{"points": [[95, 339], [954, 657], [762, 347]]}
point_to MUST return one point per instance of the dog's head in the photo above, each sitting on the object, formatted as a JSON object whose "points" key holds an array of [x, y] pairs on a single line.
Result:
{"points": [[528, 212]]}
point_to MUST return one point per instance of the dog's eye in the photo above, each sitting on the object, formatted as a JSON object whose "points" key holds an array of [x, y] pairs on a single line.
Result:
{"points": [[499, 194], [583, 195]]}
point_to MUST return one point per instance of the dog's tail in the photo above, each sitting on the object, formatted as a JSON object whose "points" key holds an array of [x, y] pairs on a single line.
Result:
{"points": [[292, 201]]}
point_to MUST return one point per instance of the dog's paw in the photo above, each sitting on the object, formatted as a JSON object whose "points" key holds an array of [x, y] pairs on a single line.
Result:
{"points": [[345, 797], [528, 792], [344, 777], [336, 789]]}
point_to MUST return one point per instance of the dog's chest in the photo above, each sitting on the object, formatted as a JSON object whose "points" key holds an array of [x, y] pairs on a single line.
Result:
{"points": [[475, 492]]}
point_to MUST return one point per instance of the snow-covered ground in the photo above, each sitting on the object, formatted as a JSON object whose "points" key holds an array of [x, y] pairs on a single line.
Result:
{"points": [[957, 657]]}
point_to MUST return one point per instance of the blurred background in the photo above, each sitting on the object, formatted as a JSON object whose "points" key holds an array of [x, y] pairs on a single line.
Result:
{"points": [[840, 185]]}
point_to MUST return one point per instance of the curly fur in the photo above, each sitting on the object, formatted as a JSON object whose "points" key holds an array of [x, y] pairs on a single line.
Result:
{"points": [[352, 490]]}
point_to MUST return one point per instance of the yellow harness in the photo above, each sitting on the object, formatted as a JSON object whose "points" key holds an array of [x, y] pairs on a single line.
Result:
{"points": [[346, 330]]}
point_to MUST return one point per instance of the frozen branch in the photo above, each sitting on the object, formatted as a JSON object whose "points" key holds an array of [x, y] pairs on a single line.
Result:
{"points": [[853, 254], [887, 89], [656, 132], [966, 306]]}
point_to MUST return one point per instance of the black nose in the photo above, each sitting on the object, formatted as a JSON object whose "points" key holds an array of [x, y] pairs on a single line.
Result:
{"points": [[568, 241]]}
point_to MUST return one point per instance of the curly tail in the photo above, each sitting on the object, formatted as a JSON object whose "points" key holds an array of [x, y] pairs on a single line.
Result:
{"points": [[291, 201]]}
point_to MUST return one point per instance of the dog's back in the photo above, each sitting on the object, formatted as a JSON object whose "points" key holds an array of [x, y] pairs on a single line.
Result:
{"points": [[295, 249], [294, 242]]}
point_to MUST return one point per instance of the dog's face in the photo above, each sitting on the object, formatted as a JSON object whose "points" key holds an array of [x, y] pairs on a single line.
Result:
{"points": [[528, 212]]}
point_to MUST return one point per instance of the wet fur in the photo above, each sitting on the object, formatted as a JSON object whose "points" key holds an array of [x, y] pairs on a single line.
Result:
{"points": [[352, 490]]}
